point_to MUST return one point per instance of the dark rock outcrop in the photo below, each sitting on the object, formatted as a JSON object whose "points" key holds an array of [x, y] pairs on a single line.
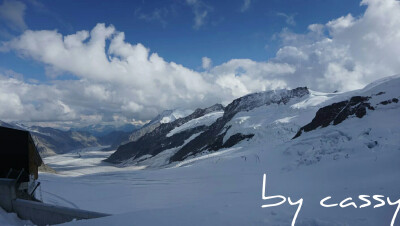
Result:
{"points": [[336, 113], [386, 102]]}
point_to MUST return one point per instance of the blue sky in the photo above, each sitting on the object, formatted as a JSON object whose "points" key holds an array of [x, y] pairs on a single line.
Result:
{"points": [[75, 63], [167, 27]]}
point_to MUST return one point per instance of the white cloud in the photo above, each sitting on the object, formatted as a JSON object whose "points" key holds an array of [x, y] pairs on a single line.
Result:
{"points": [[242, 76], [22, 101], [245, 6], [341, 23], [123, 80], [13, 100], [206, 63], [291, 54], [117, 81], [12, 14], [356, 52]]}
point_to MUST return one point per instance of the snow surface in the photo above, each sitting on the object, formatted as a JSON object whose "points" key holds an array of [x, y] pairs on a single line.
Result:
{"points": [[205, 120], [160, 160], [174, 115], [356, 157], [8, 219]]}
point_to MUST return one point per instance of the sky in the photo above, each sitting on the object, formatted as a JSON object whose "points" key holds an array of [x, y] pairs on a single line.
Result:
{"points": [[76, 63]]}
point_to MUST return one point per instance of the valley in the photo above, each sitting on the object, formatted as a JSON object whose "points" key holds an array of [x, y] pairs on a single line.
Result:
{"points": [[224, 186]]}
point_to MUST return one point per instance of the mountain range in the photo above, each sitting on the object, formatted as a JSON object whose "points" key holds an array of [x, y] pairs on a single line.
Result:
{"points": [[217, 165], [268, 119], [51, 141], [264, 119]]}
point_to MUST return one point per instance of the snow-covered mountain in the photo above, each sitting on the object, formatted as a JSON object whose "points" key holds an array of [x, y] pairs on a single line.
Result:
{"points": [[50, 141], [159, 139], [168, 116], [310, 145], [118, 137], [206, 129], [268, 119], [100, 130]]}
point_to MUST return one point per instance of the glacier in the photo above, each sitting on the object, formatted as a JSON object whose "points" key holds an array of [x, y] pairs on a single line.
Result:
{"points": [[358, 156]]}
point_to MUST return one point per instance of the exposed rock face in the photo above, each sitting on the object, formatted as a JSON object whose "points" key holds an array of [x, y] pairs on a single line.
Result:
{"points": [[46, 169], [232, 140], [211, 137], [338, 112], [143, 131], [157, 140], [386, 102]]}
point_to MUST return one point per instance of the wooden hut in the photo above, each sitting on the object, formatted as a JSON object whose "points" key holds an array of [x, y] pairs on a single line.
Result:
{"points": [[18, 155]]}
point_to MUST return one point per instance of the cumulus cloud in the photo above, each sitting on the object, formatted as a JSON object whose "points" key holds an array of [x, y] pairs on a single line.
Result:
{"points": [[206, 63], [341, 23], [355, 52], [243, 76], [20, 100], [117, 81], [61, 104], [12, 14]]}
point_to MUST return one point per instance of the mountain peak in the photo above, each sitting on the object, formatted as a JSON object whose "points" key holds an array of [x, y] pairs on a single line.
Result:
{"points": [[254, 100]]}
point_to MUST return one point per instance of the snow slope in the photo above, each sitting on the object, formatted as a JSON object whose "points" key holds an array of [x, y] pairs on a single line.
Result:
{"points": [[10, 219], [359, 156], [170, 116], [205, 120]]}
